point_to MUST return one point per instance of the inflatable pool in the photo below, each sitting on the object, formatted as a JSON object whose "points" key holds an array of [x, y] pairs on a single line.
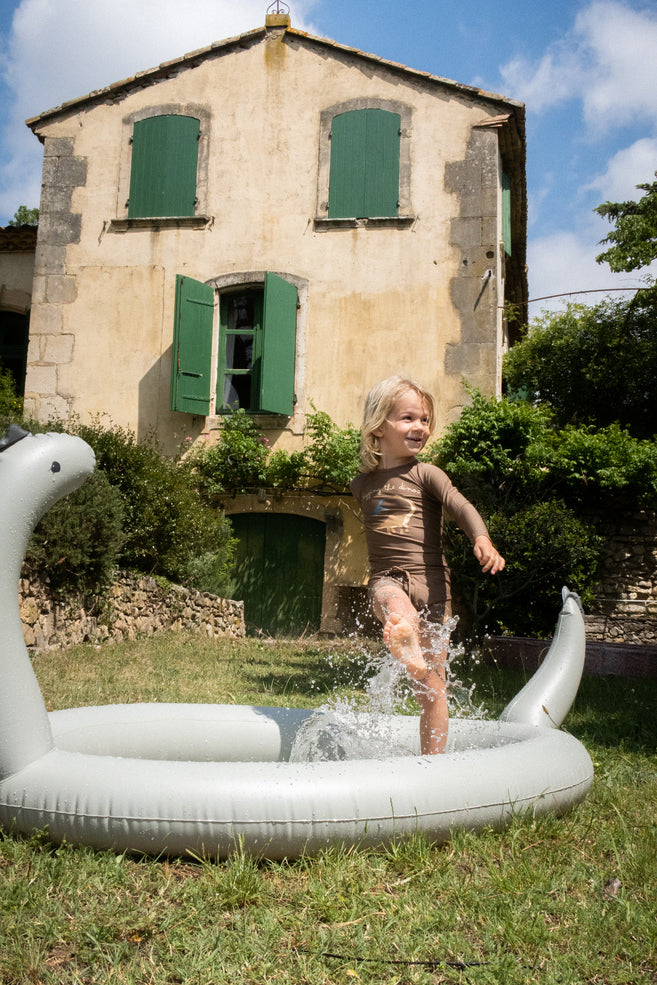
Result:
{"points": [[170, 779]]}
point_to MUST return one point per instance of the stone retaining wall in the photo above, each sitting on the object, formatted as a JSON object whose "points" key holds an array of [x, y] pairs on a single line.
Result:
{"points": [[132, 607], [625, 609]]}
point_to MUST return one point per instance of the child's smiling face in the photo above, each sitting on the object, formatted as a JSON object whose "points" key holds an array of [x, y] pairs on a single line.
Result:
{"points": [[405, 432]]}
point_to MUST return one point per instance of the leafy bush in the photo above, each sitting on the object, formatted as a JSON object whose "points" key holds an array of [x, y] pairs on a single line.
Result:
{"points": [[332, 452], [599, 465], [77, 543], [286, 469], [11, 404], [240, 460], [546, 547], [166, 527], [236, 462], [487, 452], [505, 457]]}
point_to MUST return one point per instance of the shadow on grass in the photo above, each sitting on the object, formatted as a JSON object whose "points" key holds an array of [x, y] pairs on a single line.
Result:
{"points": [[614, 711], [608, 711], [321, 669]]}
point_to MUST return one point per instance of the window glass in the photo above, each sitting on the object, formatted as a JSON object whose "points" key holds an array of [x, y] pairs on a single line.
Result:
{"points": [[240, 320]]}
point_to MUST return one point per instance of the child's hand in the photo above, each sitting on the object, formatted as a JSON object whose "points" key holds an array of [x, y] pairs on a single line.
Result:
{"points": [[488, 556]]}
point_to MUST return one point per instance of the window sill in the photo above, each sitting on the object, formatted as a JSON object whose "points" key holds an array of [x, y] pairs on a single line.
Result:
{"points": [[261, 418], [163, 222], [375, 222]]}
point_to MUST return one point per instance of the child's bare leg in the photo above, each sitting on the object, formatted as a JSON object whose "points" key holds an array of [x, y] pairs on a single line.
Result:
{"points": [[401, 635], [434, 721], [431, 695]]}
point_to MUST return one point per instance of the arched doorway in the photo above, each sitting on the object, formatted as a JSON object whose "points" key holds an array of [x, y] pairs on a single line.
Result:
{"points": [[279, 571]]}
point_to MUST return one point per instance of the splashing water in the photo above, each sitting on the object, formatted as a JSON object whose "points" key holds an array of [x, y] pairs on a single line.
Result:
{"points": [[373, 726]]}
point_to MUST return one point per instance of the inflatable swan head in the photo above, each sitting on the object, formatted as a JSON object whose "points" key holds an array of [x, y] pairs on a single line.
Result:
{"points": [[35, 471]]}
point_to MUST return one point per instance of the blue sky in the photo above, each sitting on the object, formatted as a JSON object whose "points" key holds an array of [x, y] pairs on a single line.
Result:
{"points": [[586, 70]]}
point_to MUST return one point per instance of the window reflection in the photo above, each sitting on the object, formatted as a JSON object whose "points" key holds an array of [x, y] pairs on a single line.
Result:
{"points": [[240, 318]]}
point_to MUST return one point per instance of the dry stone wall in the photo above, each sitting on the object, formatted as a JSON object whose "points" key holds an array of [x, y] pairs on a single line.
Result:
{"points": [[625, 609], [131, 607]]}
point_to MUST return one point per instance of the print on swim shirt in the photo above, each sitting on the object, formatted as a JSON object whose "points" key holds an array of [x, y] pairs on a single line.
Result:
{"points": [[394, 516]]}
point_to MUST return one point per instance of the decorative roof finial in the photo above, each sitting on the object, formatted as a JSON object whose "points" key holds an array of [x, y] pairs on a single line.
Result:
{"points": [[278, 14]]}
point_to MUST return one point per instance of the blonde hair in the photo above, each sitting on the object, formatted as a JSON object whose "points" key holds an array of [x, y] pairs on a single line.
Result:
{"points": [[379, 404]]}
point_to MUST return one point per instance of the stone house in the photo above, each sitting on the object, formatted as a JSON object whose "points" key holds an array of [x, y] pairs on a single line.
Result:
{"points": [[275, 221]]}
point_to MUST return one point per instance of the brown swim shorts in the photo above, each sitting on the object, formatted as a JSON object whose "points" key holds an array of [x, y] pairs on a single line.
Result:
{"points": [[425, 589]]}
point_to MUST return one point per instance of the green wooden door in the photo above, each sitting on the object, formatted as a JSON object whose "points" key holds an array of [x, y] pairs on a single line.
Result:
{"points": [[279, 572]]}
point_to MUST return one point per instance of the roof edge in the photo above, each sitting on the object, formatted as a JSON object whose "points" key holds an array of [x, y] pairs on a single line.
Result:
{"points": [[246, 39]]}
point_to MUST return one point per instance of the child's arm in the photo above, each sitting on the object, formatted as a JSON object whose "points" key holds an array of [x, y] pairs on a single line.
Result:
{"points": [[488, 556]]}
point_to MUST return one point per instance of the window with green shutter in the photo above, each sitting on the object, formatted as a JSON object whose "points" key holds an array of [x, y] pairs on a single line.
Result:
{"points": [[506, 214], [163, 168], [364, 166], [256, 347], [191, 363]]}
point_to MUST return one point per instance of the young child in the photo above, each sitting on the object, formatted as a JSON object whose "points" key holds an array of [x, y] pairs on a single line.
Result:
{"points": [[402, 501]]}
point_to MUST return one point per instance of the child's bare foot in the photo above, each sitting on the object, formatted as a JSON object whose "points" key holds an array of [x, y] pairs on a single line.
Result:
{"points": [[401, 639]]}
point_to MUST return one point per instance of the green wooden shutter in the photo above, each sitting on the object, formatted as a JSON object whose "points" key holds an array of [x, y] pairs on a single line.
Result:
{"points": [[364, 171], [506, 214], [192, 347], [163, 169], [278, 346]]}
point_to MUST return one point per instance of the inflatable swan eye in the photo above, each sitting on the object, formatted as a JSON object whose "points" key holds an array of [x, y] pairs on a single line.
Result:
{"points": [[55, 467]]}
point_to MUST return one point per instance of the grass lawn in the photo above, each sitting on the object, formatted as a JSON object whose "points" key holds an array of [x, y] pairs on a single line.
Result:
{"points": [[555, 900]]}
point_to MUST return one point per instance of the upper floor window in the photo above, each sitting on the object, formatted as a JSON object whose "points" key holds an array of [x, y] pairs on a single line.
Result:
{"points": [[163, 170], [364, 167]]}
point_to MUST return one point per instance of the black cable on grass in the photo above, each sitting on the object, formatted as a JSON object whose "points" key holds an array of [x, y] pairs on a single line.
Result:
{"points": [[429, 963]]}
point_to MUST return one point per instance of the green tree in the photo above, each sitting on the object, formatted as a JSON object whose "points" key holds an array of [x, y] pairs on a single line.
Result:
{"points": [[592, 365], [634, 237], [25, 217]]}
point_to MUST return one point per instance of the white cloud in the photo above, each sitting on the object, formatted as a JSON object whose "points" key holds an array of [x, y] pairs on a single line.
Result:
{"points": [[555, 79], [629, 167], [563, 264], [61, 49], [622, 86], [607, 61], [90, 44]]}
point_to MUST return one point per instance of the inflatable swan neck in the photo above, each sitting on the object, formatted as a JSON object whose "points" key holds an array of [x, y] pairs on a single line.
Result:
{"points": [[547, 697], [35, 471]]}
